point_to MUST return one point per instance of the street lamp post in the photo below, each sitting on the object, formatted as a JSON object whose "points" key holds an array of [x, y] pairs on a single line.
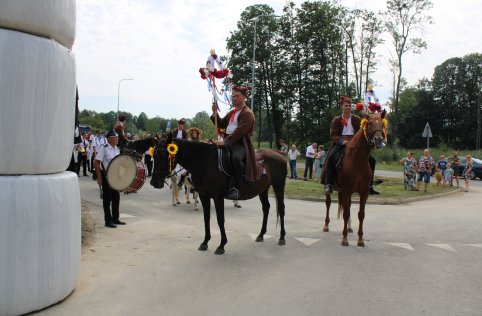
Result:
{"points": [[118, 93], [253, 75]]}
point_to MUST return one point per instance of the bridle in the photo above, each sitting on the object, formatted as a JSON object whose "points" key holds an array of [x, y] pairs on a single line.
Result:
{"points": [[370, 140]]}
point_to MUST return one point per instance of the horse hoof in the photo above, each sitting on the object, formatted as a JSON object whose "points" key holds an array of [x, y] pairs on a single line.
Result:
{"points": [[344, 243], [219, 251], [361, 243], [326, 229], [350, 230], [282, 242], [178, 202], [188, 202], [203, 247], [259, 238], [174, 204], [196, 209]]}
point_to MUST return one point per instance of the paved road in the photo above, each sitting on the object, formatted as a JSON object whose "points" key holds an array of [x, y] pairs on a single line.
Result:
{"points": [[421, 258]]}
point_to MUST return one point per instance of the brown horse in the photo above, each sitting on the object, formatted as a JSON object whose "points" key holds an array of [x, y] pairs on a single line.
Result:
{"points": [[201, 160], [355, 174]]}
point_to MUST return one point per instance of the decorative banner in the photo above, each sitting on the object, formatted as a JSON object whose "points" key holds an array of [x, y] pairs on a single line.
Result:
{"points": [[210, 73]]}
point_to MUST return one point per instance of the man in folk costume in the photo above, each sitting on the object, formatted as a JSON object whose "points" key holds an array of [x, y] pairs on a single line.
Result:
{"points": [[342, 129], [239, 125], [180, 132], [119, 129]]}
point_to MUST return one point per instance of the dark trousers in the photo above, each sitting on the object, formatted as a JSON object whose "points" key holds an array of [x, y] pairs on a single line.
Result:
{"points": [[82, 160], [293, 168], [109, 196], [238, 154], [148, 162], [309, 165]]}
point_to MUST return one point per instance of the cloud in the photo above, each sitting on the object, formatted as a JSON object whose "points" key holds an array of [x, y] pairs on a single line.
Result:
{"points": [[162, 44]]}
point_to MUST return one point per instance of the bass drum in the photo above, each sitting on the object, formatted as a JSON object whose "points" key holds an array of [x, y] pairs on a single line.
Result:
{"points": [[126, 174]]}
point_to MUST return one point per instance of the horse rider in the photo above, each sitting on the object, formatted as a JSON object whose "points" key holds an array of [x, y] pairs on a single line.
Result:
{"points": [[119, 129], [342, 129], [104, 156], [239, 125]]}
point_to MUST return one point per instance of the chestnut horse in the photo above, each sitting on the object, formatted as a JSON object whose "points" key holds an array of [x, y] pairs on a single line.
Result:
{"points": [[355, 174], [201, 160]]}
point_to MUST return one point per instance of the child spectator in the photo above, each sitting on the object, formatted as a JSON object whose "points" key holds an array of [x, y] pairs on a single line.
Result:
{"points": [[448, 175]]}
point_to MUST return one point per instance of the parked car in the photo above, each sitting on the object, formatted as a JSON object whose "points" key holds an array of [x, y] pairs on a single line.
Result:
{"points": [[476, 169]]}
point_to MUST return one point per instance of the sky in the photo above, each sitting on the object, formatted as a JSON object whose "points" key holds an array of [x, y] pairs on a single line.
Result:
{"points": [[161, 44]]}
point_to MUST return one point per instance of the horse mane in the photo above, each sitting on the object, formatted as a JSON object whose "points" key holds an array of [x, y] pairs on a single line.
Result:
{"points": [[141, 145]]}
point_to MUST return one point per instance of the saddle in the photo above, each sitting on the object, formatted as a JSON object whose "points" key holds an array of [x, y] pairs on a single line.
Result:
{"points": [[225, 164]]}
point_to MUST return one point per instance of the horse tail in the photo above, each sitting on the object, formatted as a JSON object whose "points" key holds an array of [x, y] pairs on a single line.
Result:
{"points": [[340, 207]]}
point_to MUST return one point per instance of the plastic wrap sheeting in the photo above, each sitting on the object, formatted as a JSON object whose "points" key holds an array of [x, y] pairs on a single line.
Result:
{"points": [[40, 240], [37, 104], [53, 19]]}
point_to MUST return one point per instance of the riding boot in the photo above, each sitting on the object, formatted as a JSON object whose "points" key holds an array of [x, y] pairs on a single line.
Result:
{"points": [[233, 193], [329, 180], [181, 181]]}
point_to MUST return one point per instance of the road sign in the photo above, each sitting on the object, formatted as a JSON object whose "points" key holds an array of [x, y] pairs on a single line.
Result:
{"points": [[427, 132]]}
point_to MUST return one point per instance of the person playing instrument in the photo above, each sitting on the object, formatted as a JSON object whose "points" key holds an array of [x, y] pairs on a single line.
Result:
{"points": [[342, 129], [239, 125], [104, 156]]}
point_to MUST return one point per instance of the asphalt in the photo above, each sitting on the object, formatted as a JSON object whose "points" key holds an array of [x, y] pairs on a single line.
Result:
{"points": [[421, 258]]}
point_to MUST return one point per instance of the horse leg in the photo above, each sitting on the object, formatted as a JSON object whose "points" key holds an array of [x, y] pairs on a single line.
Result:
{"points": [[345, 201], [361, 217], [350, 230], [195, 197], [327, 217], [263, 197], [206, 203], [187, 186], [219, 205], [280, 209]]}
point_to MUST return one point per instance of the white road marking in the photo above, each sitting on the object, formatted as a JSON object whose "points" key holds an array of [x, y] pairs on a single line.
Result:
{"points": [[307, 241], [442, 246], [401, 245], [474, 245], [253, 236], [124, 215]]}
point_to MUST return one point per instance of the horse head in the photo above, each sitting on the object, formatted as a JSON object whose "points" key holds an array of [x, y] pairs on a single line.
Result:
{"points": [[163, 161], [375, 129]]}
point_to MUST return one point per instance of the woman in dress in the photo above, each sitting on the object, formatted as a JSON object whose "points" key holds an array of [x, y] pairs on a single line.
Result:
{"points": [[467, 171], [409, 172]]}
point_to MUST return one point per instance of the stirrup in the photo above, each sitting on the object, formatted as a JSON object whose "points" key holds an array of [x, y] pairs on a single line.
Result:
{"points": [[328, 189], [233, 194]]}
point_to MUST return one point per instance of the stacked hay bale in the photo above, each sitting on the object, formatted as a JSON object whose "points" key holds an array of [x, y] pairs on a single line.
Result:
{"points": [[39, 202]]}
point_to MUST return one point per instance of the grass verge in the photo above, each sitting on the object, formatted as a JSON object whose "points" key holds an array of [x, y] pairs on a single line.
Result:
{"points": [[392, 191]]}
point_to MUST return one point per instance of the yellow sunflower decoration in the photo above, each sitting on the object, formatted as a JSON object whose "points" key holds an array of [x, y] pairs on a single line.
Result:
{"points": [[172, 149]]}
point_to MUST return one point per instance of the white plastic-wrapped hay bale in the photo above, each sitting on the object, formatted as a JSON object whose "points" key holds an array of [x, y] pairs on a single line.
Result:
{"points": [[37, 100], [53, 19], [39, 240]]}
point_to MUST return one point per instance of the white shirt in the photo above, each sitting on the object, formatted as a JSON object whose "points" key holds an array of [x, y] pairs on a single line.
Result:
{"points": [[233, 124], [106, 154], [179, 134], [310, 152], [348, 129], [293, 154], [99, 141]]}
